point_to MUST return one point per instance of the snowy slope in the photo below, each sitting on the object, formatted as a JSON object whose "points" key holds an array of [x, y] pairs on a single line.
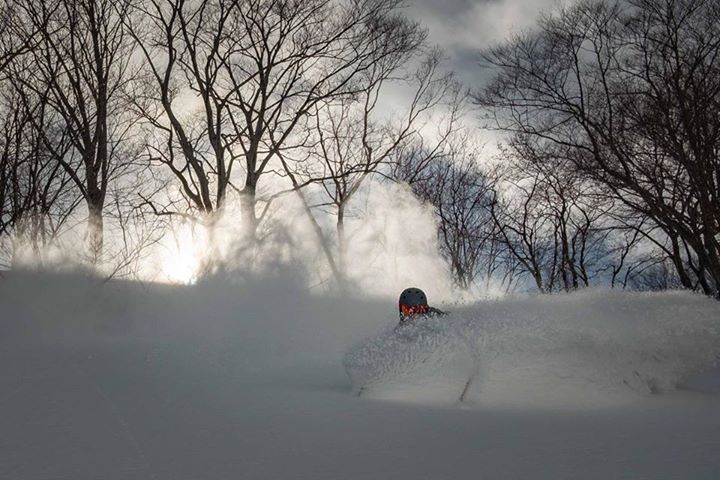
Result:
{"points": [[229, 380]]}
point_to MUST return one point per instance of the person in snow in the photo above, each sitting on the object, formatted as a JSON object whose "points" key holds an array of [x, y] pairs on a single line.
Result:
{"points": [[413, 305]]}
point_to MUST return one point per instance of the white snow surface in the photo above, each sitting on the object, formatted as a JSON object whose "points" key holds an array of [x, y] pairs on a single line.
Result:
{"points": [[246, 379]]}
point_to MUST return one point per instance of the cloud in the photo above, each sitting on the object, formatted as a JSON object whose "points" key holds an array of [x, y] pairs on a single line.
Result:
{"points": [[464, 27]]}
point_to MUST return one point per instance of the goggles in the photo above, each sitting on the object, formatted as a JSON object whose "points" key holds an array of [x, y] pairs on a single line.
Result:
{"points": [[410, 310]]}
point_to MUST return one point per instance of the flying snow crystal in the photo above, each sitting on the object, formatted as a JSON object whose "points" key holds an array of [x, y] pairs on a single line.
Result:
{"points": [[585, 349], [427, 361]]}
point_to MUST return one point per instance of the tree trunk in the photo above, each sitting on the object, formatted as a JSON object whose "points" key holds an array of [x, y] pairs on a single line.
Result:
{"points": [[342, 246], [94, 235], [248, 201]]}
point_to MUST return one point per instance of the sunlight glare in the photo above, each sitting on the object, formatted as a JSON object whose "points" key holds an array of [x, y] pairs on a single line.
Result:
{"points": [[183, 257]]}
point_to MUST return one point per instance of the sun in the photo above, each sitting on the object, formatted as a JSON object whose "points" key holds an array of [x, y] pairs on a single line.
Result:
{"points": [[183, 253]]}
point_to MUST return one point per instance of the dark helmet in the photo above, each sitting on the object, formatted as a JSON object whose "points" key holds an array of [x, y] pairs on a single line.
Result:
{"points": [[412, 300]]}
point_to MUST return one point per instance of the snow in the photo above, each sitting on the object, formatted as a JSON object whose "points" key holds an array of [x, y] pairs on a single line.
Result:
{"points": [[246, 379], [591, 349]]}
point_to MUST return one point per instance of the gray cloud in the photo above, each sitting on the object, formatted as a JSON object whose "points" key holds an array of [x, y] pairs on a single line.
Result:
{"points": [[464, 27]]}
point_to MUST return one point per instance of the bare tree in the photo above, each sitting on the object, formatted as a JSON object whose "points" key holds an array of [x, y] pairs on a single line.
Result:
{"points": [[353, 139], [14, 41], [80, 64], [258, 69], [461, 194], [187, 47], [136, 231], [557, 224], [36, 194], [523, 226], [629, 97]]}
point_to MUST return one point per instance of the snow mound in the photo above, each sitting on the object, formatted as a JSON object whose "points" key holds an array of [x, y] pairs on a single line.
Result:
{"points": [[593, 348]]}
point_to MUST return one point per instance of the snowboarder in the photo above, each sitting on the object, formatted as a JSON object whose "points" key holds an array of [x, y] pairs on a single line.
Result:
{"points": [[413, 305]]}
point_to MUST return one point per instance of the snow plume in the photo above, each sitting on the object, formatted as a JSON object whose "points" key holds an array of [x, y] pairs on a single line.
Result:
{"points": [[391, 243], [394, 245], [588, 349]]}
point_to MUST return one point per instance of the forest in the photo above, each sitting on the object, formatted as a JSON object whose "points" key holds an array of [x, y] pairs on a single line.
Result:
{"points": [[585, 153]]}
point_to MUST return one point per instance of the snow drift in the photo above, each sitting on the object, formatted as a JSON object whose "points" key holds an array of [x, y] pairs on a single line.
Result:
{"points": [[593, 348]]}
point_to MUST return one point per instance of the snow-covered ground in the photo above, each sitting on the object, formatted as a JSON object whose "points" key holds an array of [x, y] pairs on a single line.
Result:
{"points": [[247, 380]]}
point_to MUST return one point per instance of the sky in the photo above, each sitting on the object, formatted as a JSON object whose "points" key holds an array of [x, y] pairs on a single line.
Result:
{"points": [[464, 27]]}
